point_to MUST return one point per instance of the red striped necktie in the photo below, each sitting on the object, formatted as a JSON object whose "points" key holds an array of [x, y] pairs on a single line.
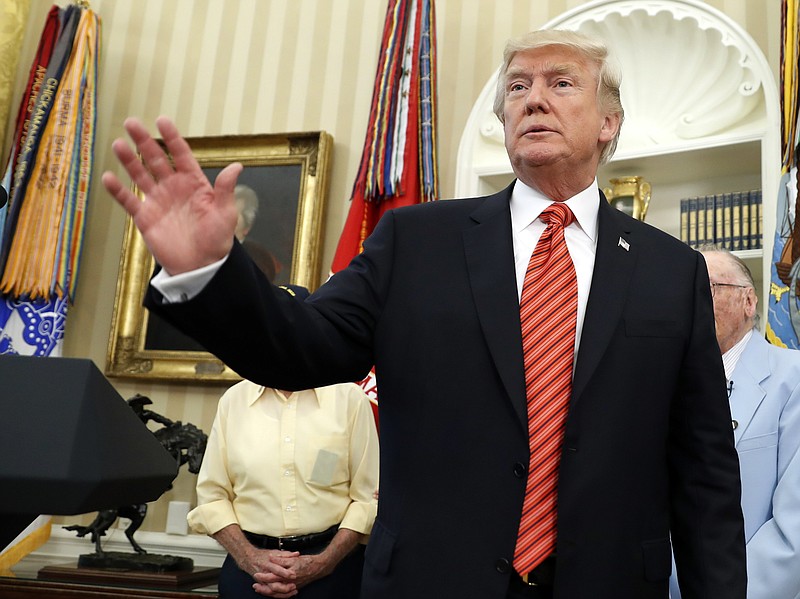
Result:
{"points": [[548, 309]]}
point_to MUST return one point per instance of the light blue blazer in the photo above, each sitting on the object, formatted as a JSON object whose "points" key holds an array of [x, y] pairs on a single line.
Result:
{"points": [[765, 407]]}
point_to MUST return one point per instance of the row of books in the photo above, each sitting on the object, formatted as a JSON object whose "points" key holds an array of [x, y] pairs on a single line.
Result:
{"points": [[729, 220]]}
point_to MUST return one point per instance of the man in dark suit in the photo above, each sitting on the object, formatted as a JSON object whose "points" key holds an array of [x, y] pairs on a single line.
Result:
{"points": [[647, 461]]}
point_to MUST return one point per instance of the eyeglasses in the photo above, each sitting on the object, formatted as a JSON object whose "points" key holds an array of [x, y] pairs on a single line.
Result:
{"points": [[715, 285]]}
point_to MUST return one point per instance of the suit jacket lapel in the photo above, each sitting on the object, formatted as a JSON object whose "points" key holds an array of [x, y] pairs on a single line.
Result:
{"points": [[613, 266], [747, 395], [489, 251]]}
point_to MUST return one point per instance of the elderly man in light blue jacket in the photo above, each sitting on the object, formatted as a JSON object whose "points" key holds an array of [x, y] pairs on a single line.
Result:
{"points": [[764, 391]]}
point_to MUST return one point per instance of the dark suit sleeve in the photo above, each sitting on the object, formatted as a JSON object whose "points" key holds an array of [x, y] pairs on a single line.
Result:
{"points": [[707, 527], [269, 337]]}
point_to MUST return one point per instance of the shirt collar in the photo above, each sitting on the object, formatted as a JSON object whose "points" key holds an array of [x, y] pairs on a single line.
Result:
{"points": [[731, 357], [267, 392], [528, 203]]}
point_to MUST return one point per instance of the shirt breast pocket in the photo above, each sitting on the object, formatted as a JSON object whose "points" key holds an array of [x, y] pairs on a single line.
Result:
{"points": [[328, 461]]}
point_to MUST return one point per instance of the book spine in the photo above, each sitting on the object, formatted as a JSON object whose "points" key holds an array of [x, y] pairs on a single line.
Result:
{"points": [[756, 228], [684, 223], [710, 215], [701, 221], [727, 222], [736, 221], [719, 220], [691, 237], [746, 235]]}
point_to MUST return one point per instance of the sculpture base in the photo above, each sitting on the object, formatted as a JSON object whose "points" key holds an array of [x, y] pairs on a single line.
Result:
{"points": [[176, 579], [145, 562]]}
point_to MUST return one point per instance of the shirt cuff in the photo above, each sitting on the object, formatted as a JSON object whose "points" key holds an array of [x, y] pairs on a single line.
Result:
{"points": [[360, 517], [210, 518], [183, 287]]}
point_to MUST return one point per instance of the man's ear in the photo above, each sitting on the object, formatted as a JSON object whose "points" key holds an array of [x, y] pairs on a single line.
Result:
{"points": [[609, 127], [750, 302]]}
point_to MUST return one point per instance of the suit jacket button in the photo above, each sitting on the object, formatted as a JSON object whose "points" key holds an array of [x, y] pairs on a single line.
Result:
{"points": [[520, 470], [502, 566]]}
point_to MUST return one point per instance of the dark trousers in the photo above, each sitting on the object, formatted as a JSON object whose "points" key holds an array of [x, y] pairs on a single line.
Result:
{"points": [[343, 583]]}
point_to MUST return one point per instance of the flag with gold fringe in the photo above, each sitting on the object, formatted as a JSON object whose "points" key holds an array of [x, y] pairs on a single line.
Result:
{"points": [[783, 318], [398, 162], [47, 177]]}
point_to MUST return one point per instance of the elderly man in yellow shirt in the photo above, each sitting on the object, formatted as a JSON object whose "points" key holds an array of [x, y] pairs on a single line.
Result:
{"points": [[287, 487]]}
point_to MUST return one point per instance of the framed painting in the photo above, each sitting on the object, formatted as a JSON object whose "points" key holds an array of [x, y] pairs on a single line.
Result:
{"points": [[281, 197]]}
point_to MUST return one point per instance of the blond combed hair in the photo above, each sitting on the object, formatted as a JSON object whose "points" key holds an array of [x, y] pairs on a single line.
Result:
{"points": [[593, 49]]}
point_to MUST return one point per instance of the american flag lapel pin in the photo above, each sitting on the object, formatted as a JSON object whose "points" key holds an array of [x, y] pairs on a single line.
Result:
{"points": [[624, 244]]}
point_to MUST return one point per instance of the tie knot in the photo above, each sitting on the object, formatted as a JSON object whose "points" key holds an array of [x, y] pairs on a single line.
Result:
{"points": [[557, 213]]}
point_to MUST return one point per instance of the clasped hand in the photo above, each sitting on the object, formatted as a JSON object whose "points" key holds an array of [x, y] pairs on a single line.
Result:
{"points": [[281, 574]]}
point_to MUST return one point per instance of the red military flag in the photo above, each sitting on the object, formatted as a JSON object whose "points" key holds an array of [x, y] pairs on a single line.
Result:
{"points": [[398, 163]]}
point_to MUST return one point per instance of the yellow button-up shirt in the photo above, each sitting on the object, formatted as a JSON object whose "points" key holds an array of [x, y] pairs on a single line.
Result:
{"points": [[283, 466]]}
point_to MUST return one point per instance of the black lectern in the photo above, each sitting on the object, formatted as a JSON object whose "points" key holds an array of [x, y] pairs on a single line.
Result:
{"points": [[70, 444]]}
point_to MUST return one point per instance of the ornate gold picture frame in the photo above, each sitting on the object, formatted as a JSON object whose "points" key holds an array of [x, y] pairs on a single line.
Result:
{"points": [[283, 193]]}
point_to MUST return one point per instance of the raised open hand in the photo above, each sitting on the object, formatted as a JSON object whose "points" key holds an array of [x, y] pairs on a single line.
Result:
{"points": [[185, 222]]}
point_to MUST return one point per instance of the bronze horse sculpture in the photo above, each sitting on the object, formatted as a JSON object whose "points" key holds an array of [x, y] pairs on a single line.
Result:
{"points": [[185, 442]]}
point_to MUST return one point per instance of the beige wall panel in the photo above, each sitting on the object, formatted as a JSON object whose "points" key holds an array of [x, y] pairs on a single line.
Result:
{"points": [[262, 66]]}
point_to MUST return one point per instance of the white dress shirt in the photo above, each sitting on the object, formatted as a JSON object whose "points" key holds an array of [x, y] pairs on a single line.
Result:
{"points": [[581, 237]]}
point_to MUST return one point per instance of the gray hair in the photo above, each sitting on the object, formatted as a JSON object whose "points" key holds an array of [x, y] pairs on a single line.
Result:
{"points": [[595, 50], [745, 274]]}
